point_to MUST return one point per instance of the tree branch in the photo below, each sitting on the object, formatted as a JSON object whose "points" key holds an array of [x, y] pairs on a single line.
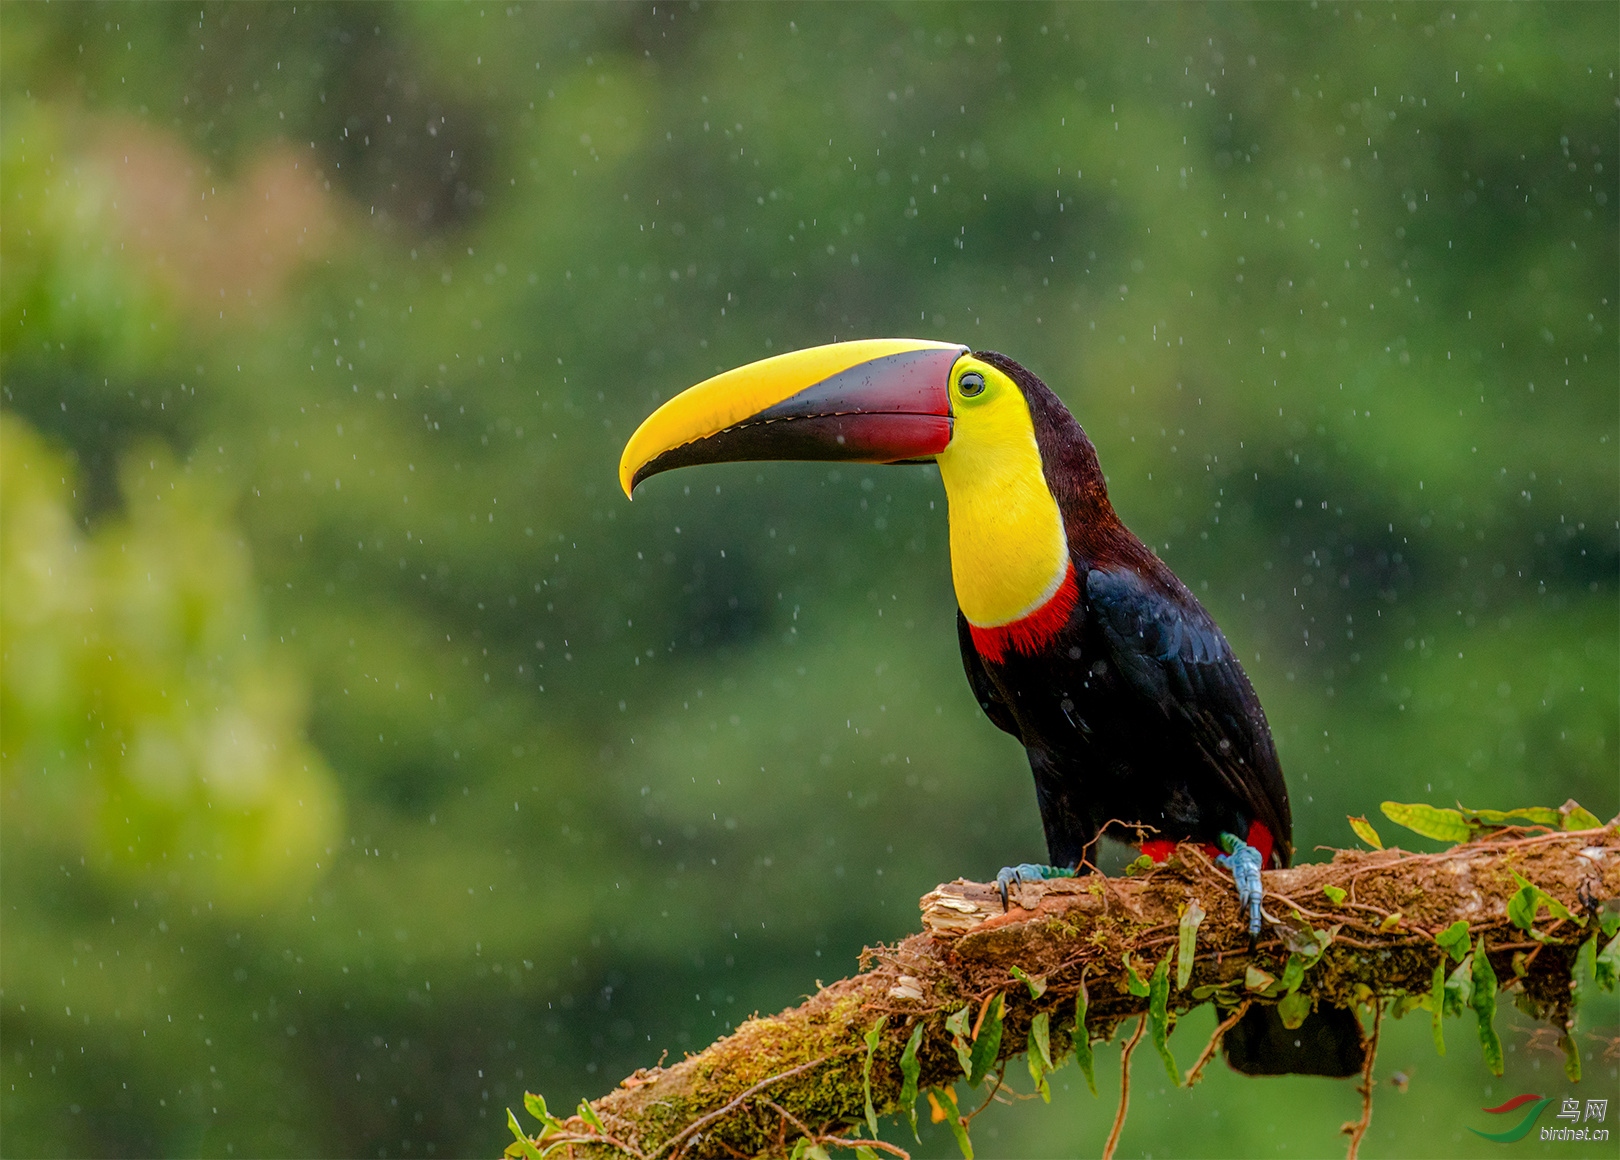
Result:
{"points": [[804, 1068]]}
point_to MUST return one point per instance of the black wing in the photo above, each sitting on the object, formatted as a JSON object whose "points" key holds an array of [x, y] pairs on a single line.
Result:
{"points": [[984, 691], [1171, 653]]}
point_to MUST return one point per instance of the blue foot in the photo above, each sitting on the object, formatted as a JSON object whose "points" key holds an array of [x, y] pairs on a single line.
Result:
{"points": [[1027, 872], [1244, 861]]}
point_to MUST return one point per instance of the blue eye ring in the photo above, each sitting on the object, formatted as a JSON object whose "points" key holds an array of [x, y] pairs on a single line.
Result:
{"points": [[970, 384]]}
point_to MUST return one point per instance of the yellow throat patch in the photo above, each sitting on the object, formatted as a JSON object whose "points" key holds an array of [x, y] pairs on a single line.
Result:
{"points": [[1009, 552]]}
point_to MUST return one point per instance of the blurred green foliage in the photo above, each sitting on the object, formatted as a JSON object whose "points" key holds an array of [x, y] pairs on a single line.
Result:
{"points": [[141, 649], [367, 759]]}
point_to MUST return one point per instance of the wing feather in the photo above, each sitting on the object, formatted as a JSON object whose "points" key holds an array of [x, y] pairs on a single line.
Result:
{"points": [[1174, 656], [984, 690]]}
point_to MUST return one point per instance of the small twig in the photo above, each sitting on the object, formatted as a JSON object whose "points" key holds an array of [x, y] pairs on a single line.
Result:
{"points": [[1531, 957], [1214, 1043], [1146, 930], [1611, 1045], [1011, 1095], [788, 1117], [1001, 1077], [1124, 1089], [1529, 839], [1546, 1039], [701, 1122], [1384, 945], [823, 1138], [879, 1145], [984, 1009], [1359, 1129], [781, 1127], [1294, 904], [588, 1135], [1379, 910]]}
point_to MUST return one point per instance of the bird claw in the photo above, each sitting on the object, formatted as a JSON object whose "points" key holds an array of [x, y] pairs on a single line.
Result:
{"points": [[1026, 872], [1244, 861]]}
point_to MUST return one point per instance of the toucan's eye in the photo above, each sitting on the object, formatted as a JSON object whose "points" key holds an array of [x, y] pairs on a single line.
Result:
{"points": [[970, 384]]}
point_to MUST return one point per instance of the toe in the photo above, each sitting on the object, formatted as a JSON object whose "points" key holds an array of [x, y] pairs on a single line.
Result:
{"points": [[1009, 876]]}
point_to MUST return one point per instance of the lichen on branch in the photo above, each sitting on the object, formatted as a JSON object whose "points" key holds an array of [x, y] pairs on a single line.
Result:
{"points": [[1382, 930]]}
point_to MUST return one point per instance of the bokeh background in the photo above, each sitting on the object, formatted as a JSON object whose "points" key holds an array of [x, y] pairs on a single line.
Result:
{"points": [[368, 759]]}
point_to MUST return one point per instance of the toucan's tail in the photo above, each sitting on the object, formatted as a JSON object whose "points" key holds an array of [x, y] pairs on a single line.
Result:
{"points": [[1330, 1042]]}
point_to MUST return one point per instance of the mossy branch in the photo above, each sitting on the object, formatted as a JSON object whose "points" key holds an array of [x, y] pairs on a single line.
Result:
{"points": [[802, 1079]]}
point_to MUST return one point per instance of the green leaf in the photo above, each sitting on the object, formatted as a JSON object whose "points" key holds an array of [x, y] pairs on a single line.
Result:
{"points": [[1521, 908], [953, 1120], [1187, 942], [1582, 977], [1454, 940], [1140, 865], [816, 1152], [1293, 974], [1133, 981], [866, 1071], [1305, 941], [987, 1044], [1366, 833], [588, 1114], [1256, 979], [1443, 825], [535, 1105], [525, 1146], [1557, 909], [1607, 966], [1039, 1053], [957, 1025], [1529, 815], [862, 1152], [909, 1070], [1082, 1038], [799, 1146], [1159, 1017], [1609, 923], [1572, 1057], [1483, 1002], [1040, 1034], [1577, 817], [1402, 1005], [1293, 1008], [1335, 894], [1460, 987], [1437, 1005], [1035, 983]]}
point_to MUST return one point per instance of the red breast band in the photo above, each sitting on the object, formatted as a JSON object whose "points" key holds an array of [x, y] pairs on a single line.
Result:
{"points": [[1029, 633]]}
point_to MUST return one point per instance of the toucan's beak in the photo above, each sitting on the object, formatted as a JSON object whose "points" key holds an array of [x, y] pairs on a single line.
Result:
{"points": [[880, 400]]}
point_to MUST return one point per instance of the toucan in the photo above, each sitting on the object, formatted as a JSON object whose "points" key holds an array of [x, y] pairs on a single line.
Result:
{"points": [[1138, 720]]}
